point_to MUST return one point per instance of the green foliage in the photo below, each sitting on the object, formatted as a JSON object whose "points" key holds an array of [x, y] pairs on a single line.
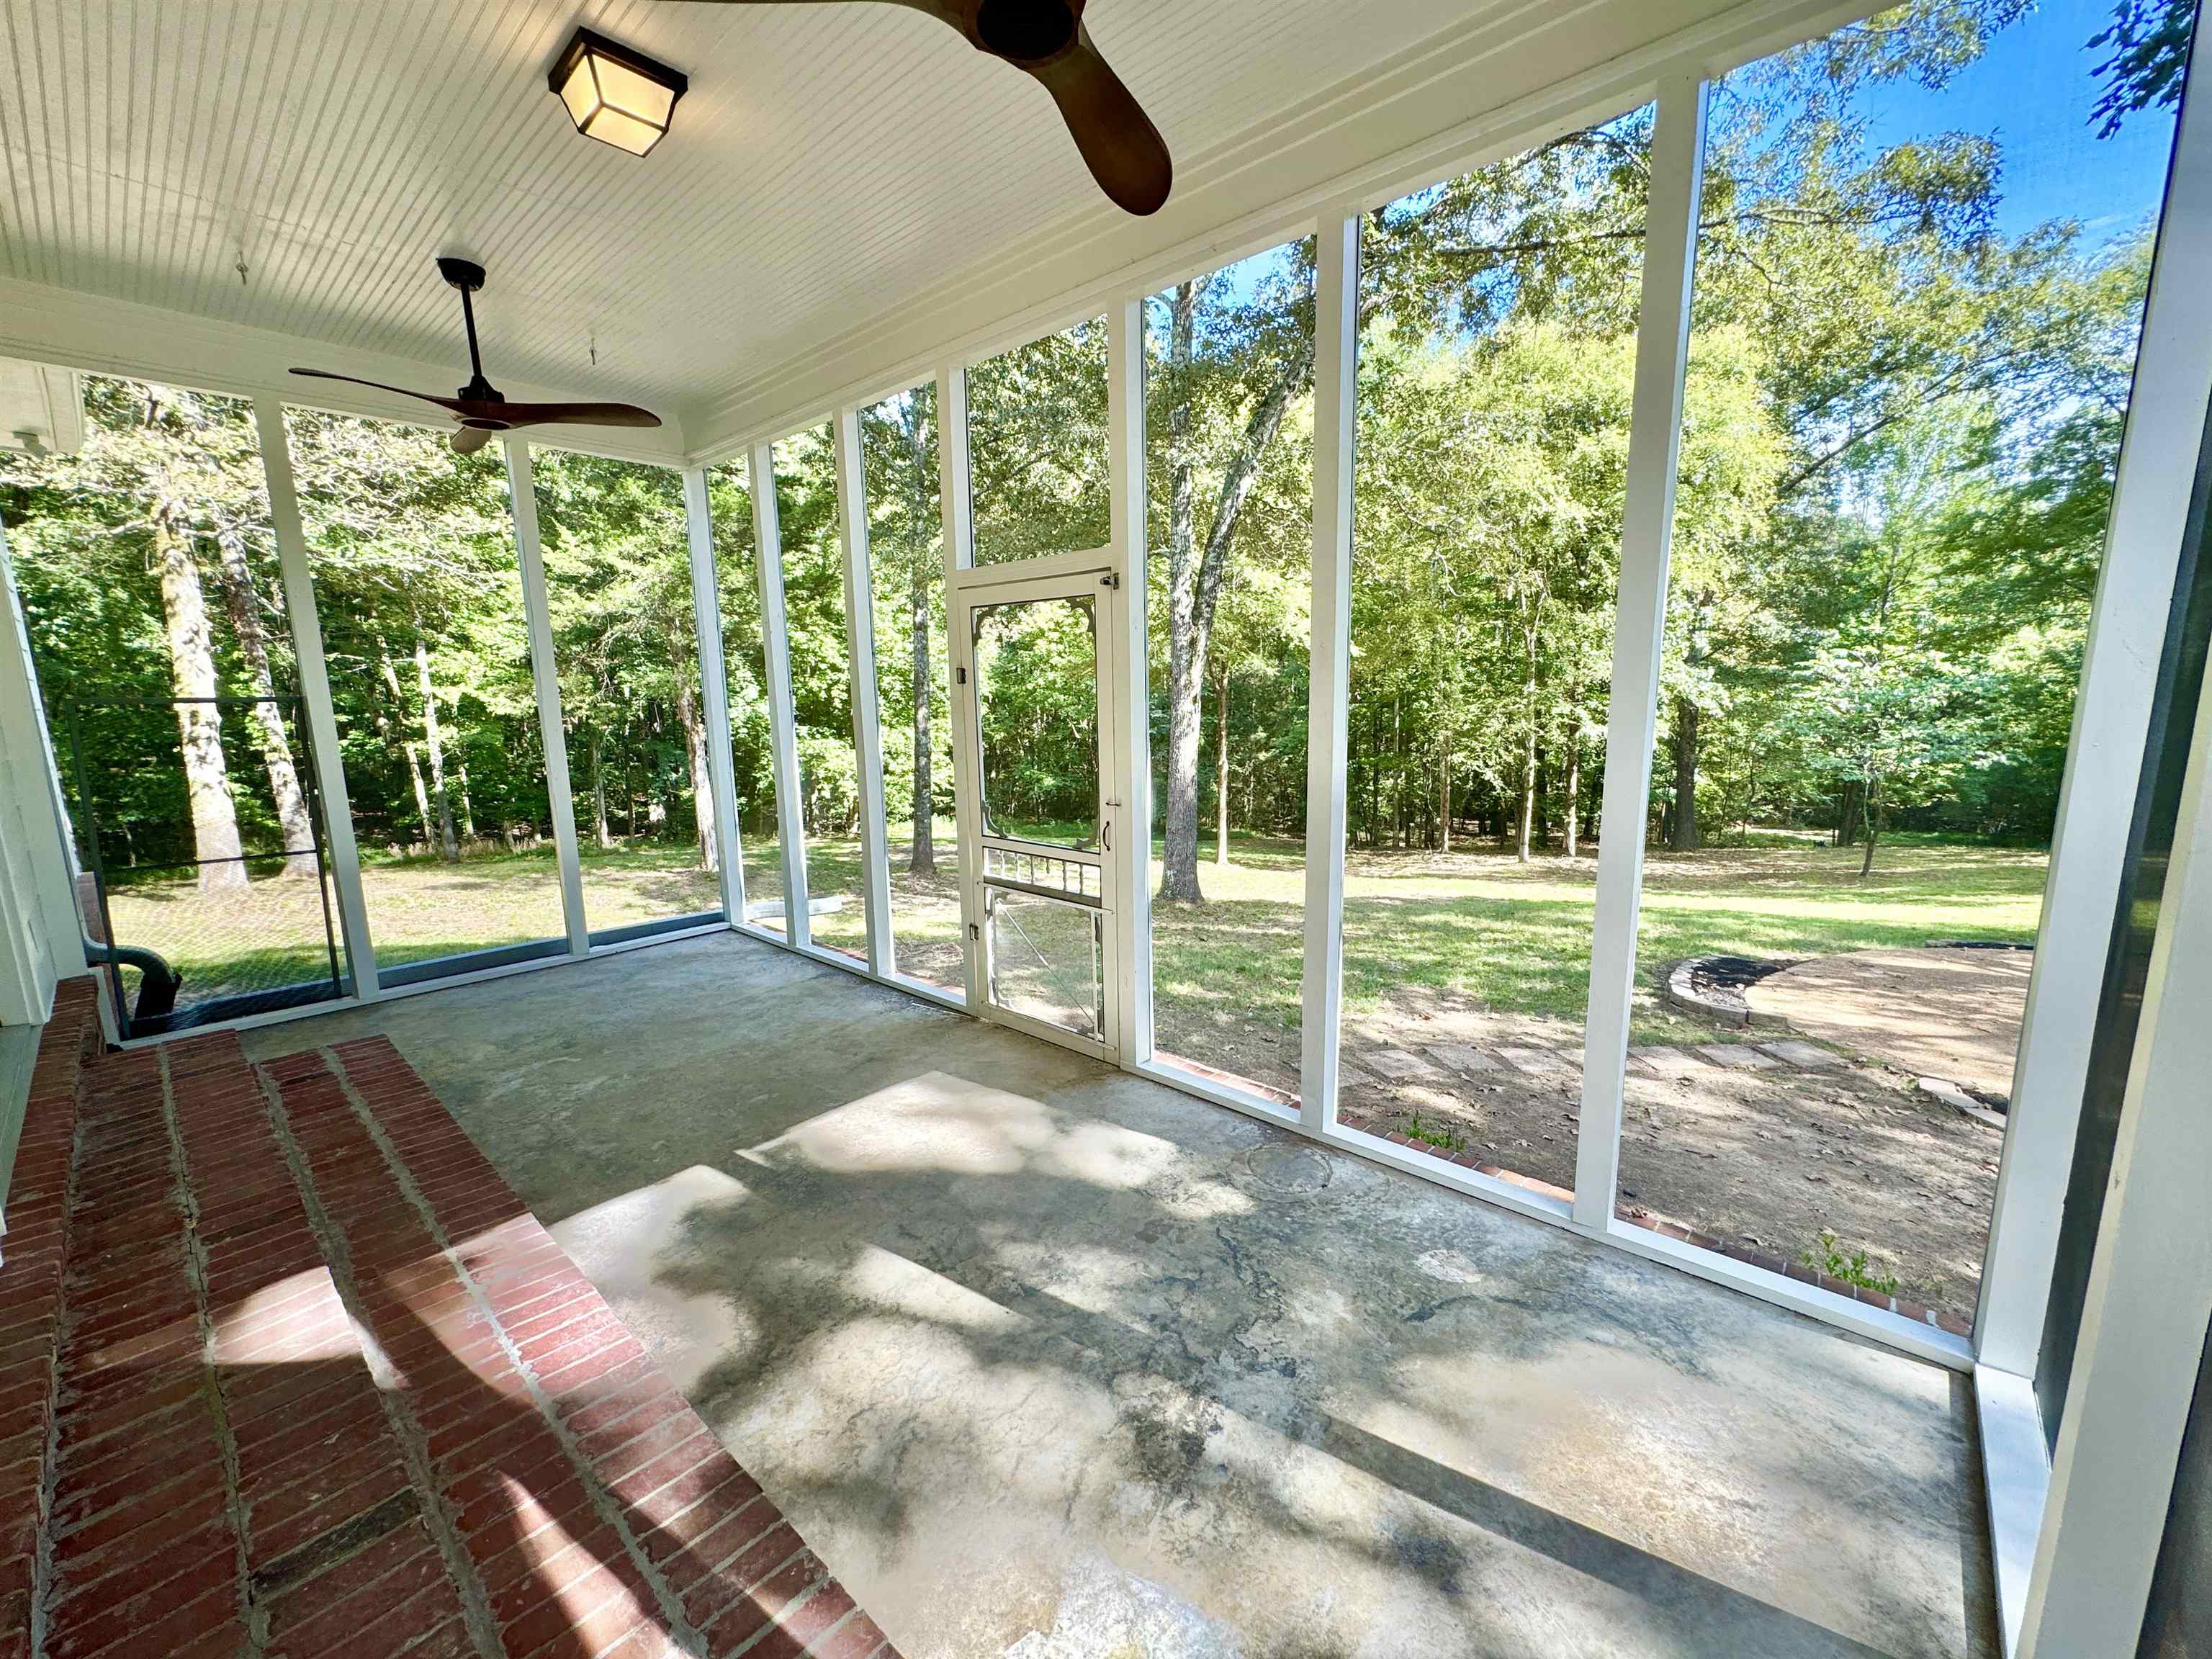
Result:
{"points": [[1441, 1136], [1037, 422], [1852, 1268], [2149, 40]]}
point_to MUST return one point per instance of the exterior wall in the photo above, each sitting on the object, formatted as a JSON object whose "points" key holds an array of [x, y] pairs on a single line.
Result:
{"points": [[39, 938]]}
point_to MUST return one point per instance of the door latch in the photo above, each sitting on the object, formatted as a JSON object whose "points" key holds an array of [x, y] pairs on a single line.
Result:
{"points": [[1111, 579], [974, 931], [962, 675]]}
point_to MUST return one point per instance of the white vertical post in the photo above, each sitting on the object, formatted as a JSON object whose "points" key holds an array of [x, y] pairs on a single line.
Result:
{"points": [[1662, 343], [2149, 1295], [1129, 768], [1336, 364], [714, 692], [957, 506], [537, 616], [305, 621], [2096, 805], [860, 656], [783, 732]]}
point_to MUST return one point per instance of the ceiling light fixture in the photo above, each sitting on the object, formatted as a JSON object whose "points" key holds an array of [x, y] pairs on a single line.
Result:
{"points": [[612, 94]]}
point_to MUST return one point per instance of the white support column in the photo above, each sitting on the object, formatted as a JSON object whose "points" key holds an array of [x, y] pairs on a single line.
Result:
{"points": [[304, 619], [860, 656], [2150, 1296], [1662, 345], [1336, 363], [538, 615], [783, 734], [2096, 806], [1129, 768], [714, 692], [957, 505]]}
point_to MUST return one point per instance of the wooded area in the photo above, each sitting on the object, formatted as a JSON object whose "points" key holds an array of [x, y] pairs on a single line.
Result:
{"points": [[1902, 417]]}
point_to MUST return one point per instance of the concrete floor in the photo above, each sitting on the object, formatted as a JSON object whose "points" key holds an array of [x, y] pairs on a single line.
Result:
{"points": [[1051, 1361]]}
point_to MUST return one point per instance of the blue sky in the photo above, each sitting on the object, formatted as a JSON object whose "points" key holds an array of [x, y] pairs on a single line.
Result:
{"points": [[2034, 88]]}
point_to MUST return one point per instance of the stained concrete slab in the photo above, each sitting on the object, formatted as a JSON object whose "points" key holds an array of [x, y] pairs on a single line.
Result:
{"points": [[1050, 1361]]}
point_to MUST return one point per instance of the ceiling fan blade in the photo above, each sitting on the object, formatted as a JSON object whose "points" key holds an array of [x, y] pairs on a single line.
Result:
{"points": [[325, 374], [561, 414], [469, 440], [1119, 144]]}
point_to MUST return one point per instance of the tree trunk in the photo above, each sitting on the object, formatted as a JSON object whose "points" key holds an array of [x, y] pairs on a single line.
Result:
{"points": [[407, 746], [1443, 792], [191, 679], [434, 738], [244, 605], [1574, 788], [468, 808], [921, 857], [1847, 814], [599, 833], [1684, 837], [1398, 773], [1221, 773], [1876, 810], [1194, 576], [1186, 638], [702, 785], [1525, 826]]}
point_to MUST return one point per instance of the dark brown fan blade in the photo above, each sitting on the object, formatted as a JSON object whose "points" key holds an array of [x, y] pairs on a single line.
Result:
{"points": [[559, 414], [470, 439], [452, 403], [1119, 144]]}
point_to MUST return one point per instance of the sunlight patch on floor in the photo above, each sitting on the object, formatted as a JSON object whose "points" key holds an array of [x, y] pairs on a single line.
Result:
{"points": [[622, 1246], [940, 1121]]}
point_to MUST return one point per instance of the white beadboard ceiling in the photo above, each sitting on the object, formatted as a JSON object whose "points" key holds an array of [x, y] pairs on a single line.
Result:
{"points": [[828, 161]]}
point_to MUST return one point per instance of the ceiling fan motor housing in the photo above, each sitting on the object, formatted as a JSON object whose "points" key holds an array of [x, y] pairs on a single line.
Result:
{"points": [[1027, 31], [463, 274]]}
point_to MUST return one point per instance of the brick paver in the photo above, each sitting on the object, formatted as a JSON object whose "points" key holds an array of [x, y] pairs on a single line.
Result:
{"points": [[286, 1368]]}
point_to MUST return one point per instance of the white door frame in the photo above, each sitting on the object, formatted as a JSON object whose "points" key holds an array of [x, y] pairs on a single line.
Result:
{"points": [[1098, 576]]}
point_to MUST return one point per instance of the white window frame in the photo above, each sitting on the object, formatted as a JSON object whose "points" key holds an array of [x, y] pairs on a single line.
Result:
{"points": [[860, 666], [715, 691]]}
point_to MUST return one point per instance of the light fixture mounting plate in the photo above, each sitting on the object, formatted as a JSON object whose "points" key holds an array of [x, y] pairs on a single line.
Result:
{"points": [[463, 274]]}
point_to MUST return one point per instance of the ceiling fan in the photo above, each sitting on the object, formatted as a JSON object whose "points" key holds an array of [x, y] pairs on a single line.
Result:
{"points": [[1045, 40], [478, 405]]}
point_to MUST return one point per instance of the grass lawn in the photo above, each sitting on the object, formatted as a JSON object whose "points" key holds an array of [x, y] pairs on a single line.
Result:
{"points": [[1472, 924], [1479, 926]]}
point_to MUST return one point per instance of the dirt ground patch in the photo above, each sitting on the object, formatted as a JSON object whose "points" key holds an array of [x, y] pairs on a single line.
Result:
{"points": [[1950, 1012], [1772, 1157]]}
